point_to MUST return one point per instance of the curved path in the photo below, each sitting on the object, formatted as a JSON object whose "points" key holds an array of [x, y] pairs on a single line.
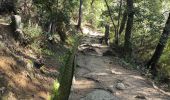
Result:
{"points": [[98, 77]]}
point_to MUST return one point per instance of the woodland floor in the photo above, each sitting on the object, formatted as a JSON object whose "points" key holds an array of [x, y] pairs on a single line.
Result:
{"points": [[95, 71], [98, 71], [19, 79]]}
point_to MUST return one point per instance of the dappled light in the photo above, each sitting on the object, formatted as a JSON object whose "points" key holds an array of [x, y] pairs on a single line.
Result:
{"points": [[84, 50], [83, 84], [137, 77], [116, 72]]}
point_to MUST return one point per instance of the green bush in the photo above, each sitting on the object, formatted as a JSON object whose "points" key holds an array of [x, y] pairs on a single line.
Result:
{"points": [[33, 31]]}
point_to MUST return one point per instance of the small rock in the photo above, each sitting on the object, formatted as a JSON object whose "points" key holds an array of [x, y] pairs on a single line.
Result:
{"points": [[120, 86], [140, 97], [2, 90], [111, 89], [1, 37]]}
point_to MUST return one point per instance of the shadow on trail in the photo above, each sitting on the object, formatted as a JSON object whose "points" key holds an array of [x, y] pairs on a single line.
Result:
{"points": [[96, 71]]}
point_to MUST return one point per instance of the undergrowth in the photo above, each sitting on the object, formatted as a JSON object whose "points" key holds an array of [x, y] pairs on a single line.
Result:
{"points": [[33, 31]]}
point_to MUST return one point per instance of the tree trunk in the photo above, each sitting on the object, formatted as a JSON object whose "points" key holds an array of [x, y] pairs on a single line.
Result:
{"points": [[67, 75], [127, 43], [160, 47], [116, 37], [110, 15], [107, 32], [123, 23], [80, 15], [120, 13], [118, 24], [115, 28]]}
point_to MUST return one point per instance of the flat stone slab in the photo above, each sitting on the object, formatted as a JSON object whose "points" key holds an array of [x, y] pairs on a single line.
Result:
{"points": [[99, 95]]}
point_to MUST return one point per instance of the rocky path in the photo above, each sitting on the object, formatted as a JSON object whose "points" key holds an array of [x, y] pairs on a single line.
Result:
{"points": [[98, 77]]}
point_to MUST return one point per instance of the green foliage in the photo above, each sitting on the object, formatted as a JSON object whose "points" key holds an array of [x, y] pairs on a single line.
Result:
{"points": [[57, 12], [148, 25], [165, 62], [66, 74], [91, 13], [72, 40], [48, 52], [149, 22], [33, 31], [56, 86]]}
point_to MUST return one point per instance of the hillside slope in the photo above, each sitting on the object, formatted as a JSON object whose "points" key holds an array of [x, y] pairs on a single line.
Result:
{"points": [[19, 78]]}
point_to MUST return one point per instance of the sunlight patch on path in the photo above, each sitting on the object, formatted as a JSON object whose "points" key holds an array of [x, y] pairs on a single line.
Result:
{"points": [[87, 31], [97, 71]]}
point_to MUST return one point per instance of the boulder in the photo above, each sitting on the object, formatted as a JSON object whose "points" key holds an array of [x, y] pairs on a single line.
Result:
{"points": [[120, 86]]}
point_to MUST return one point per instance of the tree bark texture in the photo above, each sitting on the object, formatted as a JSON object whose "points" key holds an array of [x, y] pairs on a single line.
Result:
{"points": [[160, 47], [129, 26], [123, 23], [80, 14], [107, 33]]}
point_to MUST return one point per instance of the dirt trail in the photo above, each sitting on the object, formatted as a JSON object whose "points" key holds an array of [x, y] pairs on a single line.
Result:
{"points": [[96, 72]]}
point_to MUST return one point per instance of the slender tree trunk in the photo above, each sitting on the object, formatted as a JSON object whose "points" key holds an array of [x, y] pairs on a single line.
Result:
{"points": [[115, 28], [107, 33], [123, 23], [80, 14], [110, 15], [116, 37], [118, 24], [120, 13], [127, 43], [160, 47]]}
